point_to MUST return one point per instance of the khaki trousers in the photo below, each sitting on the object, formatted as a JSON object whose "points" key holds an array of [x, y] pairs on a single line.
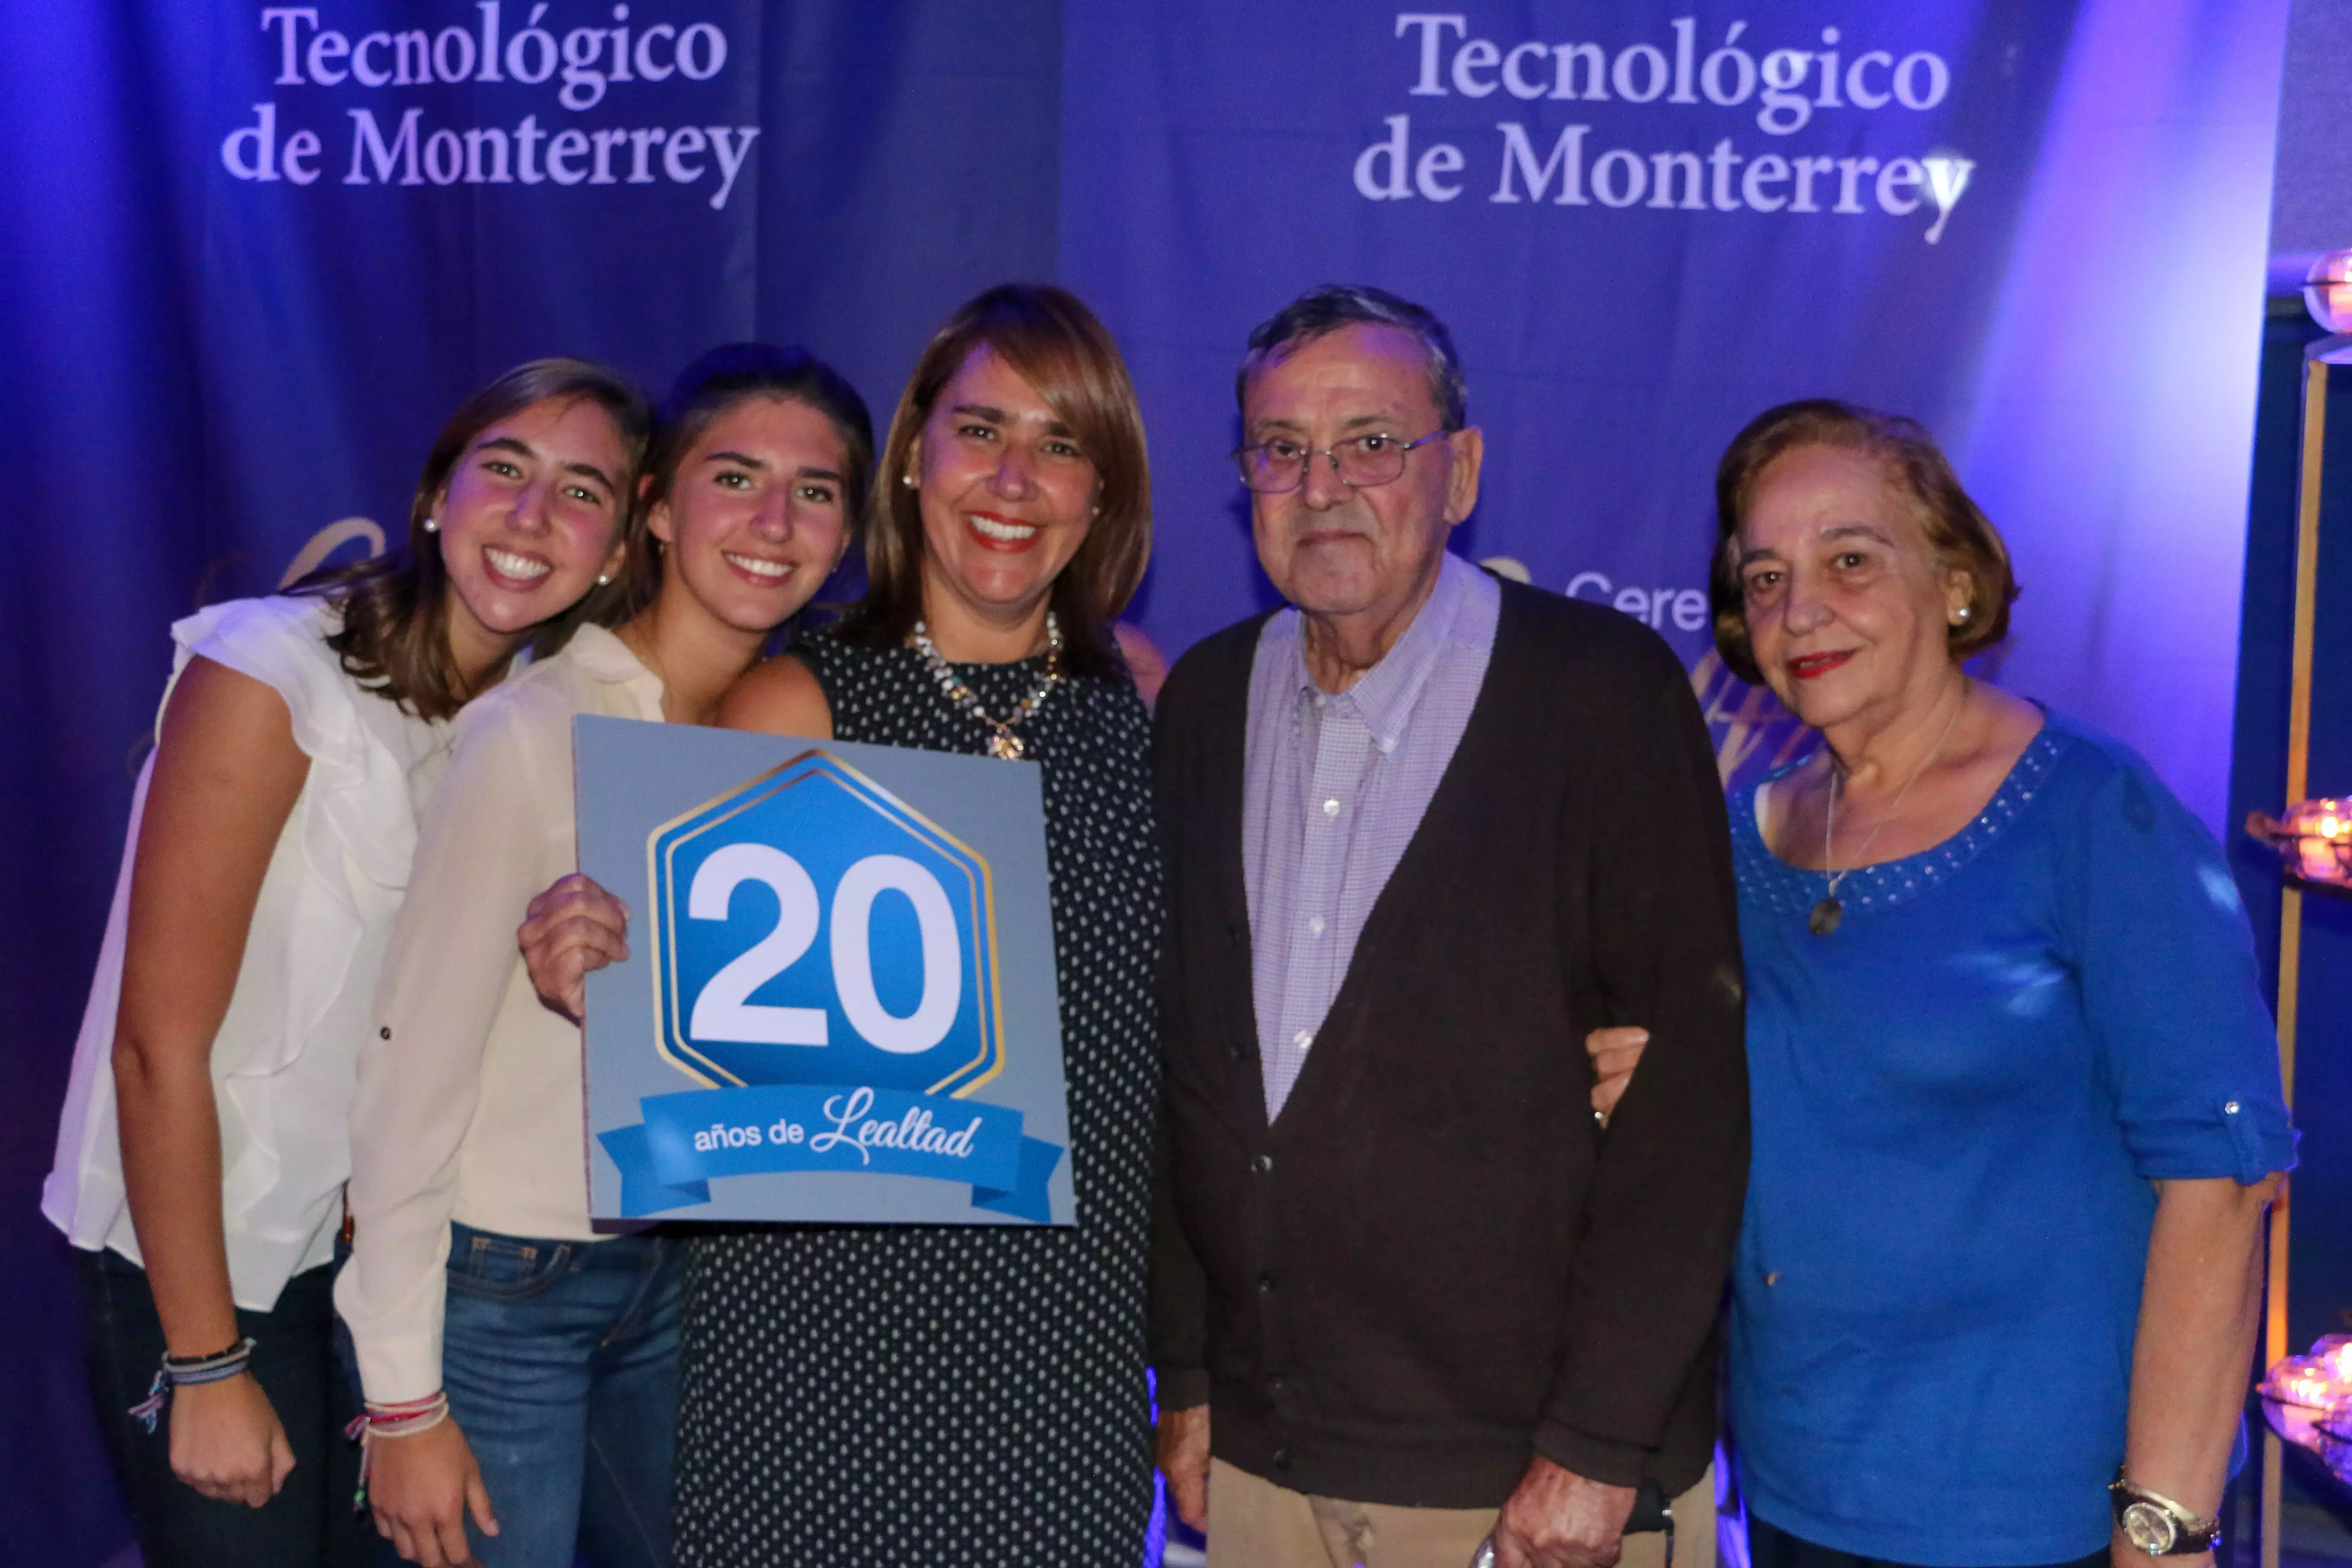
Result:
{"points": [[1254, 1523]]}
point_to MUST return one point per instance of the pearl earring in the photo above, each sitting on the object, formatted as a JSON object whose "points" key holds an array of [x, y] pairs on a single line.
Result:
{"points": [[908, 480], [1963, 615], [602, 579], [432, 525]]}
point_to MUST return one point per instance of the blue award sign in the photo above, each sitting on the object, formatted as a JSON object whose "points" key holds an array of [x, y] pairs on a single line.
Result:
{"points": [[845, 954], [904, 993]]}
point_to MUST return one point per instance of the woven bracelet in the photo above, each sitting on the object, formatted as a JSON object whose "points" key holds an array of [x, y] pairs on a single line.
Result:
{"points": [[187, 1370], [400, 1420]]}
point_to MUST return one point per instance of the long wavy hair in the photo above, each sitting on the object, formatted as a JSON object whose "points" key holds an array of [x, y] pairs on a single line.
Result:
{"points": [[395, 638]]}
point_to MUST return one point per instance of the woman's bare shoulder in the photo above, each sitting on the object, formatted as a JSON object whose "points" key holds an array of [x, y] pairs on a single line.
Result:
{"points": [[2015, 721], [779, 696]]}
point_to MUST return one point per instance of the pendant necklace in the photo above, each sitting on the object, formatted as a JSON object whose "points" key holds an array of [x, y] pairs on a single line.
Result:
{"points": [[1004, 743], [1826, 914]]}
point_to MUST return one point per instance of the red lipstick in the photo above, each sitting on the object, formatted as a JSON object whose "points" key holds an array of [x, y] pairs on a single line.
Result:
{"points": [[1808, 667]]}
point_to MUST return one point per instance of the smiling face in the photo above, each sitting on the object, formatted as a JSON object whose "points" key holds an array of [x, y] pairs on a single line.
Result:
{"points": [[1848, 609], [1337, 551], [529, 516], [1006, 492], [756, 518]]}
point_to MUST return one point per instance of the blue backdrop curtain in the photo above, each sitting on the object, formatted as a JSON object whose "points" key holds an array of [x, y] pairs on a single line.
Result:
{"points": [[254, 252], [2076, 322]]}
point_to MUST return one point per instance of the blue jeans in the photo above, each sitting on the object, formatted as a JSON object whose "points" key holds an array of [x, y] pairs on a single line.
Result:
{"points": [[559, 1359]]}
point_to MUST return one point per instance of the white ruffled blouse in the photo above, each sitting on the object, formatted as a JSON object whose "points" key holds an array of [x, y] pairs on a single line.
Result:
{"points": [[283, 1060]]}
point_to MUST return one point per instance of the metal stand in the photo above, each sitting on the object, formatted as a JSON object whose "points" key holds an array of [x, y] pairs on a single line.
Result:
{"points": [[2316, 359]]}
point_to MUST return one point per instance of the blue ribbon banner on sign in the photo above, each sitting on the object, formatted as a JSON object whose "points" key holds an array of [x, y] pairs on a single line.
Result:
{"points": [[689, 1138], [855, 987]]}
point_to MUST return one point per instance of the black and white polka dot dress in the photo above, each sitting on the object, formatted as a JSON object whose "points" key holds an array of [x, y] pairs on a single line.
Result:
{"points": [[952, 1396]]}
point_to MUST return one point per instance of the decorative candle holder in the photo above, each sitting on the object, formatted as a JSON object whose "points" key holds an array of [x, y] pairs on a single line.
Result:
{"points": [[2327, 291], [2315, 840], [2307, 1400]]}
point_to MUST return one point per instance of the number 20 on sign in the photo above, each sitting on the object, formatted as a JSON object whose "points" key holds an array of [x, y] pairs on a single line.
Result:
{"points": [[810, 927]]}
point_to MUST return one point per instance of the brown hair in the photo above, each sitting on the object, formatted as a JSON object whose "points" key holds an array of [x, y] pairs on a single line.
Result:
{"points": [[1916, 469], [718, 380], [1057, 345], [395, 633]]}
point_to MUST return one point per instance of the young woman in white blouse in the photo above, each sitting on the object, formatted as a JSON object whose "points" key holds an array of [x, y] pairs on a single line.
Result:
{"points": [[520, 1368], [201, 1154]]}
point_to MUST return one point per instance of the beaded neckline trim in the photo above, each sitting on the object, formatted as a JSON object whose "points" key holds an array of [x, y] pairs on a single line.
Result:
{"points": [[1771, 881]]}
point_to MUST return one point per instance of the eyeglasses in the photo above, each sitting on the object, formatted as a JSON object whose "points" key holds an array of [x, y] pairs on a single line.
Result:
{"points": [[1277, 468]]}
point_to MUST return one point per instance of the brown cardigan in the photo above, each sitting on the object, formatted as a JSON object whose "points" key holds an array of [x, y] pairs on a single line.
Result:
{"points": [[1433, 1261]]}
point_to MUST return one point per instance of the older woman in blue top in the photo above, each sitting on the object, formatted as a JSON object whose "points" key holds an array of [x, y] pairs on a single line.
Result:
{"points": [[2016, 1096]]}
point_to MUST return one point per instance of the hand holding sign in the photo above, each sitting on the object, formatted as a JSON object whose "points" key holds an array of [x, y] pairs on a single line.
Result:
{"points": [[570, 931]]}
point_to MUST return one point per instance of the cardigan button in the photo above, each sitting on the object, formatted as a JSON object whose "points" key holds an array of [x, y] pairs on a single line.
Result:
{"points": [[1282, 1459], [1273, 1384], [1261, 1164], [1266, 1284]]}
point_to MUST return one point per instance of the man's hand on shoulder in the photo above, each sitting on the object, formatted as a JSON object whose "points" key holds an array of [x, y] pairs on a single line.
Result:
{"points": [[1556, 1518]]}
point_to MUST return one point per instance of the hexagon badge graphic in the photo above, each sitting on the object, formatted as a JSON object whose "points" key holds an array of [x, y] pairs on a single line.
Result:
{"points": [[811, 927]]}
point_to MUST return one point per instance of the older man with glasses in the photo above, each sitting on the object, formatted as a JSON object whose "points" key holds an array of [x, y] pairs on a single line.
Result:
{"points": [[1423, 830]]}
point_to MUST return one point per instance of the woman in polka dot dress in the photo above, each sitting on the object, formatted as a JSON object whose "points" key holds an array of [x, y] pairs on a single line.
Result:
{"points": [[963, 1397]]}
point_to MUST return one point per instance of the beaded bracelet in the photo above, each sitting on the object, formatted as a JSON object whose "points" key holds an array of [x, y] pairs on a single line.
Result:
{"points": [[395, 1420], [178, 1370]]}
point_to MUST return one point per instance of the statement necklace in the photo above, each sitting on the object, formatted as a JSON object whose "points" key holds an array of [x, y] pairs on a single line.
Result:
{"points": [[1826, 914], [1004, 743]]}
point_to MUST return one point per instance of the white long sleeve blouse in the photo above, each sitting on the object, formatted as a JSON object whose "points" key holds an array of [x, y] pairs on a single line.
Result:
{"points": [[282, 1058], [471, 1102]]}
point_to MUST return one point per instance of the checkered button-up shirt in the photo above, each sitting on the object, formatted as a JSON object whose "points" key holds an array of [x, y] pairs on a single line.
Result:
{"points": [[1336, 786]]}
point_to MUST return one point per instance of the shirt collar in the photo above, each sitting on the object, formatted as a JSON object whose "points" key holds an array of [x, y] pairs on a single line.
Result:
{"points": [[1386, 693], [600, 655]]}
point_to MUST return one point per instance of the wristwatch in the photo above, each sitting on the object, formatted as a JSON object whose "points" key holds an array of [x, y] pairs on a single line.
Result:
{"points": [[2158, 1526]]}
